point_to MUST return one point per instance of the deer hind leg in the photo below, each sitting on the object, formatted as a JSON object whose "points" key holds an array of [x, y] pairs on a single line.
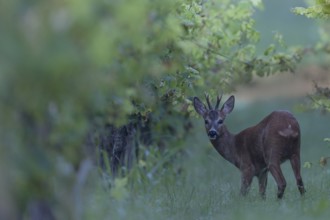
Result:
{"points": [[295, 163], [276, 171], [262, 178]]}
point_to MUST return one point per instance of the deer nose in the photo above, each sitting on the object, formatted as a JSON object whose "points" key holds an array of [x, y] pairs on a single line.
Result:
{"points": [[212, 134]]}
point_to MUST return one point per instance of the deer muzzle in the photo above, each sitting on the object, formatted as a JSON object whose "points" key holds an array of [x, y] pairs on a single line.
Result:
{"points": [[212, 134]]}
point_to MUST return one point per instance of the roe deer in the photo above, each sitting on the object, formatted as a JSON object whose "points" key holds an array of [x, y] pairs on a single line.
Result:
{"points": [[257, 149]]}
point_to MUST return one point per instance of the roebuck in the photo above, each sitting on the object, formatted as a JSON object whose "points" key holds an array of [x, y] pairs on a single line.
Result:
{"points": [[257, 149]]}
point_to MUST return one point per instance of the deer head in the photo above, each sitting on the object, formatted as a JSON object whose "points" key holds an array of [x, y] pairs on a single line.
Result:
{"points": [[214, 117]]}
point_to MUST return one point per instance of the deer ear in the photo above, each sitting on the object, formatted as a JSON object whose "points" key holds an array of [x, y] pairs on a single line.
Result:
{"points": [[199, 106], [228, 106]]}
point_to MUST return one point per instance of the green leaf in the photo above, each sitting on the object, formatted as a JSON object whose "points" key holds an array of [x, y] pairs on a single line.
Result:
{"points": [[270, 50], [307, 165]]}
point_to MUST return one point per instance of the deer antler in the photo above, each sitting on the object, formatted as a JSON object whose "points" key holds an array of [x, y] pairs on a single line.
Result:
{"points": [[208, 101], [218, 102]]}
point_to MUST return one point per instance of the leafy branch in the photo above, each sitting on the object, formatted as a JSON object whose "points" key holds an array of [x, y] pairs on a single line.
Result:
{"points": [[321, 10]]}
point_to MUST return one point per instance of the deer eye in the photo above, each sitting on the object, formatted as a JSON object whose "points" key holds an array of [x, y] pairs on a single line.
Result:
{"points": [[206, 122], [220, 121]]}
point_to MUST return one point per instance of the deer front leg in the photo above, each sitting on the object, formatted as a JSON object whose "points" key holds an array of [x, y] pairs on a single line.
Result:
{"points": [[263, 182], [247, 176]]}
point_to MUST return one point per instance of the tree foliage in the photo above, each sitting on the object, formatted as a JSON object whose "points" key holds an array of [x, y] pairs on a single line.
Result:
{"points": [[320, 100], [320, 9]]}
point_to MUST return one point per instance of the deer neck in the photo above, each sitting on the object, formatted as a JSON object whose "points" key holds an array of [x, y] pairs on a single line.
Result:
{"points": [[225, 145]]}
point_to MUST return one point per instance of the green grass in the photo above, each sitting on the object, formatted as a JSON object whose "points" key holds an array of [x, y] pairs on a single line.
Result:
{"points": [[208, 187]]}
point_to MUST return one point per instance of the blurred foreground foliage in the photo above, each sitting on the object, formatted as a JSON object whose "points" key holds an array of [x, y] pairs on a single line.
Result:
{"points": [[71, 66]]}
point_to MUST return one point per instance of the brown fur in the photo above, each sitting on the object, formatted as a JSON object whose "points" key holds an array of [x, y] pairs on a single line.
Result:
{"points": [[257, 149]]}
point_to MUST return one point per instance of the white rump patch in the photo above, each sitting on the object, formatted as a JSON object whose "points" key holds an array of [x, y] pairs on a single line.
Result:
{"points": [[288, 132]]}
